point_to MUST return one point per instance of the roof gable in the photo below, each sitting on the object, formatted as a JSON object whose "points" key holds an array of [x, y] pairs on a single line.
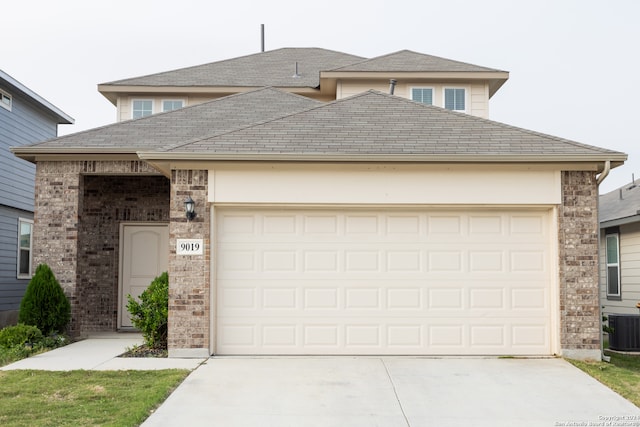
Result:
{"points": [[409, 61], [374, 123], [271, 68]]}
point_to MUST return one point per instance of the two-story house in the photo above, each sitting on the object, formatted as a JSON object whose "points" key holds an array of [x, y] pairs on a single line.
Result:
{"points": [[314, 73], [306, 201], [25, 117]]}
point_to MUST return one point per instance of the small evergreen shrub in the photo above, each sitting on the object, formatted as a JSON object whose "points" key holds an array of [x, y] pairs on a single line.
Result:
{"points": [[19, 335], [44, 304], [151, 313]]}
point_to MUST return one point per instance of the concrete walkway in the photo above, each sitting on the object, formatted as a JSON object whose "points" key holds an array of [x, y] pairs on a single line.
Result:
{"points": [[100, 353]]}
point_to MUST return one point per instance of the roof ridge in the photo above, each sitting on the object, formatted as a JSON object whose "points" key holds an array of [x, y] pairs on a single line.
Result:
{"points": [[156, 115], [215, 135], [494, 122], [263, 122], [222, 61], [416, 53]]}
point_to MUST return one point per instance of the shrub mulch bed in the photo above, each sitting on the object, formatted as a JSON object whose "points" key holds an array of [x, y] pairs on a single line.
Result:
{"points": [[145, 351]]}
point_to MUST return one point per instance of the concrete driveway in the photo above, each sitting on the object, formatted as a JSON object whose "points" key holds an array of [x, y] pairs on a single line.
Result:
{"points": [[388, 391]]}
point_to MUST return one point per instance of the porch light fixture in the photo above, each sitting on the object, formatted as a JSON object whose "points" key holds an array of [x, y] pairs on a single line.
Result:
{"points": [[189, 208]]}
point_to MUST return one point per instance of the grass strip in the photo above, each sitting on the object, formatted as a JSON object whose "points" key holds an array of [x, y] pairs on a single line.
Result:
{"points": [[83, 398], [622, 374]]}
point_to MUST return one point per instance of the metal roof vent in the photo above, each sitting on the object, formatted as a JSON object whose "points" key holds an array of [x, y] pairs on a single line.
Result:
{"points": [[296, 75], [392, 86]]}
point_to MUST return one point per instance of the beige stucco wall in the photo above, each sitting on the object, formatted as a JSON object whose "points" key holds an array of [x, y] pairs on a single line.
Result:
{"points": [[477, 94], [125, 102], [382, 184], [629, 271]]}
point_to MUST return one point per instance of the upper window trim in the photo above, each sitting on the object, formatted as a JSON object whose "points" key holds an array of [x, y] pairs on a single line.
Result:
{"points": [[612, 264], [19, 247], [184, 103], [431, 88], [6, 105], [466, 95], [141, 99]]}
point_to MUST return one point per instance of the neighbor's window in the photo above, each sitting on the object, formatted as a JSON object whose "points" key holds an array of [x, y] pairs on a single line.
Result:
{"points": [[25, 230], [454, 99], [141, 108], [613, 265], [5, 100], [172, 104], [422, 94]]}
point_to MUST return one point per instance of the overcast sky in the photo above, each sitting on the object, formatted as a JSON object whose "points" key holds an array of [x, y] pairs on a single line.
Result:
{"points": [[574, 64]]}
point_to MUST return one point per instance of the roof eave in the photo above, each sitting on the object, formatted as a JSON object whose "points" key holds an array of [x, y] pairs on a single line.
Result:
{"points": [[620, 221], [112, 92], [615, 158], [60, 116]]}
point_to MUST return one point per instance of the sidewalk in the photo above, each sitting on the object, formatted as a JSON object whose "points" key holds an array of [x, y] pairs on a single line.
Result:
{"points": [[100, 353]]}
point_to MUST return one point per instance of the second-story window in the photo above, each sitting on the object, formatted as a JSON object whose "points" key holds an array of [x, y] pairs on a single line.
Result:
{"points": [[141, 108], [454, 99], [5, 100], [172, 104], [422, 94]]}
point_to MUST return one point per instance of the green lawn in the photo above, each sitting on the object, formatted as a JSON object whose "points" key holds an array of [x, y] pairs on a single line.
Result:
{"points": [[83, 398], [622, 374]]}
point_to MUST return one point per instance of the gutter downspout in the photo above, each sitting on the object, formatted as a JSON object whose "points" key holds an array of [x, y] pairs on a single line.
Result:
{"points": [[599, 179]]}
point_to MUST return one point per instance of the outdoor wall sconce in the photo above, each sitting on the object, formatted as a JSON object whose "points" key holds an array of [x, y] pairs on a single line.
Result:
{"points": [[189, 208]]}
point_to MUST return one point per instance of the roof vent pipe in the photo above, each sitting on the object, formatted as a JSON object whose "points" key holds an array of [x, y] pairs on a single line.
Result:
{"points": [[296, 75], [262, 36], [392, 86]]}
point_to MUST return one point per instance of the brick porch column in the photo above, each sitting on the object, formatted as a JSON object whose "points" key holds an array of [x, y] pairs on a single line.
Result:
{"points": [[189, 275], [55, 232], [578, 251]]}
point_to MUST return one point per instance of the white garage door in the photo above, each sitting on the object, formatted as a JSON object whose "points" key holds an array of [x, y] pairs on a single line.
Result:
{"points": [[415, 282]]}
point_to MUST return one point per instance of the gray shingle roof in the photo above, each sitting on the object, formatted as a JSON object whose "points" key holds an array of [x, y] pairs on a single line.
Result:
{"points": [[271, 68], [620, 204], [179, 126], [377, 123], [409, 61]]}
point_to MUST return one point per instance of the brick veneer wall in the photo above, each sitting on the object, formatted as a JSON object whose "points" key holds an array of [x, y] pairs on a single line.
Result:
{"points": [[578, 265], [189, 275], [59, 208]]}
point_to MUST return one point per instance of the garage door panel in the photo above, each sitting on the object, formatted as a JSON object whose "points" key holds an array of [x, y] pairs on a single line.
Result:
{"points": [[395, 282]]}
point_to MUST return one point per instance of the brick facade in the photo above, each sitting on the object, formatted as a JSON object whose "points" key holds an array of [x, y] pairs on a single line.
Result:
{"points": [[77, 215], [189, 275], [79, 206], [578, 265]]}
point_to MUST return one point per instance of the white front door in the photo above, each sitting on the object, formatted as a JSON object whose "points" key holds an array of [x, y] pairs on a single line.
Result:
{"points": [[144, 255]]}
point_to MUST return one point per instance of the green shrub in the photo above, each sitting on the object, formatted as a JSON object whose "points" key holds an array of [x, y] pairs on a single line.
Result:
{"points": [[44, 304], [151, 313], [19, 335]]}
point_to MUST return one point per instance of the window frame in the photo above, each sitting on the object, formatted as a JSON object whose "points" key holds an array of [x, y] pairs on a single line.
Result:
{"points": [[444, 98], [6, 95], [610, 295], [20, 248], [431, 88], [133, 109], [172, 100]]}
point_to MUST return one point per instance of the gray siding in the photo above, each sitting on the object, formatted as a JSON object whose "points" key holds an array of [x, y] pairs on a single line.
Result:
{"points": [[25, 124], [11, 288]]}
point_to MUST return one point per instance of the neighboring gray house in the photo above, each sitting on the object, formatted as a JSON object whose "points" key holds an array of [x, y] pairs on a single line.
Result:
{"points": [[620, 250], [25, 118]]}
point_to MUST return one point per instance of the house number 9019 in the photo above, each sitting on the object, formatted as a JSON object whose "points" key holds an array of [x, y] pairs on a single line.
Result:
{"points": [[189, 247]]}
